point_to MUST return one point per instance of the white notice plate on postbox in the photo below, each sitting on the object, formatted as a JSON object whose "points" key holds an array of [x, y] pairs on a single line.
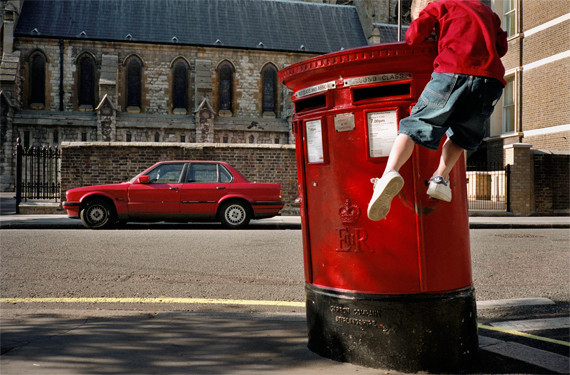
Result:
{"points": [[344, 122], [382, 131], [314, 141]]}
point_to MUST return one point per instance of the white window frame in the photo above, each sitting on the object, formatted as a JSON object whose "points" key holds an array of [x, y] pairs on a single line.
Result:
{"points": [[497, 123], [512, 15], [506, 107]]}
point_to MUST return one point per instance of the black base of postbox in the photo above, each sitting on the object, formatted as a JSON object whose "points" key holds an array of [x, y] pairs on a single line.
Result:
{"points": [[420, 332]]}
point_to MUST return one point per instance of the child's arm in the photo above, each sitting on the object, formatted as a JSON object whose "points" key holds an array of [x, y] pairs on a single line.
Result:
{"points": [[421, 28]]}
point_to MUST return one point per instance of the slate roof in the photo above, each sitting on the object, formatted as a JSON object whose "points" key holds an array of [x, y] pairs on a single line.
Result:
{"points": [[389, 32], [277, 24]]}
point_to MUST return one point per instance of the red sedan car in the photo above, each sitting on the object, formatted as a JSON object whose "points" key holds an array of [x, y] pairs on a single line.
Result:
{"points": [[179, 191]]}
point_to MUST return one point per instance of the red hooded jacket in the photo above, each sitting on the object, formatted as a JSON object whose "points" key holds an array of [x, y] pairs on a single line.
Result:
{"points": [[469, 34]]}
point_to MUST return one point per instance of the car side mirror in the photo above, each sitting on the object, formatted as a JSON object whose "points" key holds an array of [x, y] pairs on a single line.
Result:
{"points": [[142, 180]]}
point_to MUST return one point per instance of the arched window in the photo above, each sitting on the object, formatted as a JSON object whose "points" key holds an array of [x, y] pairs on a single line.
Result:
{"points": [[37, 87], [134, 79], [86, 82], [269, 91], [180, 86], [225, 88]]}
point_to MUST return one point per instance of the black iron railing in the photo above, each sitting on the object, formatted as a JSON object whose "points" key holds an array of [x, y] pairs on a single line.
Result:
{"points": [[38, 173]]}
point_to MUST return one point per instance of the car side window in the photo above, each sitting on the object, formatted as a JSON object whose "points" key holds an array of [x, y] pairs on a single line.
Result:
{"points": [[208, 172], [166, 173], [225, 175]]}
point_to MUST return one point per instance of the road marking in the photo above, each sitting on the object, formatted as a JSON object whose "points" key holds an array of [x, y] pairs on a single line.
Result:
{"points": [[193, 301], [537, 357], [217, 301], [523, 334], [534, 324], [498, 303]]}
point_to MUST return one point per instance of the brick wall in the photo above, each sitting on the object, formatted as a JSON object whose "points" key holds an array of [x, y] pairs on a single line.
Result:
{"points": [[97, 163], [537, 12], [518, 155], [556, 141], [552, 182]]}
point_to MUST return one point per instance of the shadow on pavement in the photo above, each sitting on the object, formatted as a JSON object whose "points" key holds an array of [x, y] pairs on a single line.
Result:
{"points": [[179, 343]]}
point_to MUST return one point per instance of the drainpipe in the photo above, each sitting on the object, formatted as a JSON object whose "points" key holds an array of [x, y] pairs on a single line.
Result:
{"points": [[399, 20], [61, 74]]}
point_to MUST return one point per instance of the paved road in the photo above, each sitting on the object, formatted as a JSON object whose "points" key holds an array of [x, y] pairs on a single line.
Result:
{"points": [[249, 264], [229, 333]]}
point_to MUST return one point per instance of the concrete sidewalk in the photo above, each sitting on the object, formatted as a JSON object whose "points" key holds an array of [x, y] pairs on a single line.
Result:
{"points": [[124, 342], [61, 221]]}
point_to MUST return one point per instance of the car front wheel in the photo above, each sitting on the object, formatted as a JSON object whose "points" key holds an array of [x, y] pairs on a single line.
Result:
{"points": [[234, 215], [97, 214]]}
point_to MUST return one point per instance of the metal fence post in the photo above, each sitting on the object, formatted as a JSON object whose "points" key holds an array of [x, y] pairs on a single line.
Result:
{"points": [[508, 193], [19, 150]]}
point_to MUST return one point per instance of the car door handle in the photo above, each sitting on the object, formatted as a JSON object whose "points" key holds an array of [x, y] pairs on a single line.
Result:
{"points": [[173, 188], [220, 187]]}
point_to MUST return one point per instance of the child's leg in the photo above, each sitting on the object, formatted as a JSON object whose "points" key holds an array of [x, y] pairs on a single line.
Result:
{"points": [[439, 185], [450, 153], [400, 153], [387, 187]]}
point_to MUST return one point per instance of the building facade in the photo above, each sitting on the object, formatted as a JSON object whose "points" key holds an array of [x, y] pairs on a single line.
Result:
{"points": [[531, 120], [157, 71], [205, 71], [534, 108]]}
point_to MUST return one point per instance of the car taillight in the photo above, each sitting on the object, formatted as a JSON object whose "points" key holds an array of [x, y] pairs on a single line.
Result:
{"points": [[281, 194]]}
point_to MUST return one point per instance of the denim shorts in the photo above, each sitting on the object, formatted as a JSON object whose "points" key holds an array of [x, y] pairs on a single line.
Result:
{"points": [[458, 105]]}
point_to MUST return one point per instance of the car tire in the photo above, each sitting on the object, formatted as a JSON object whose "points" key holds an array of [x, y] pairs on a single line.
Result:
{"points": [[235, 215], [97, 214]]}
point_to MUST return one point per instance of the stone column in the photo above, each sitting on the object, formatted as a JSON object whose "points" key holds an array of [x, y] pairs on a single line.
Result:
{"points": [[205, 122], [106, 120], [202, 80], [519, 156]]}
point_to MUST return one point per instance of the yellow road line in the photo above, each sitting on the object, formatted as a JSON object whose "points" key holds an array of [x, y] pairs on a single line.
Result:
{"points": [[523, 334], [195, 301]]}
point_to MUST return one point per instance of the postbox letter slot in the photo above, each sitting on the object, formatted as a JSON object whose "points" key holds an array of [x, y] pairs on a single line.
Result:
{"points": [[386, 91], [314, 102]]}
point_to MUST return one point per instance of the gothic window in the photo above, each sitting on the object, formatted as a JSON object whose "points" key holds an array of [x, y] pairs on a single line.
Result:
{"points": [[269, 93], [225, 88], [180, 86], [134, 86], [37, 77], [86, 83]]}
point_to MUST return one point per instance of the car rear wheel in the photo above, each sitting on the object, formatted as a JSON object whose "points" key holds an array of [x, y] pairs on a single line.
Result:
{"points": [[97, 214], [235, 215]]}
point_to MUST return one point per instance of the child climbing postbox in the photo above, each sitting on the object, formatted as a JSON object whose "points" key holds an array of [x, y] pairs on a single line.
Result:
{"points": [[392, 293]]}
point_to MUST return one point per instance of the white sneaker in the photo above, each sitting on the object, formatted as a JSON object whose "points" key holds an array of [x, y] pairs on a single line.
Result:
{"points": [[439, 189], [385, 189]]}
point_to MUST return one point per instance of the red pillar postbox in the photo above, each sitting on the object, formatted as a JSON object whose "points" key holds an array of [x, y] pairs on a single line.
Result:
{"points": [[392, 293]]}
